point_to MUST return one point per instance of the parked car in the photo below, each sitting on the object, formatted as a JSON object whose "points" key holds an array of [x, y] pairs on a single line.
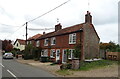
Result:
{"points": [[8, 56]]}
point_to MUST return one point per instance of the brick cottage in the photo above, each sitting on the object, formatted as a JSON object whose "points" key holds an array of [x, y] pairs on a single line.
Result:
{"points": [[55, 44]]}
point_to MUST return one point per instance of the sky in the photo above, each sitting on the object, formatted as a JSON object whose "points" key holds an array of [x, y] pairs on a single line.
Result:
{"points": [[14, 13]]}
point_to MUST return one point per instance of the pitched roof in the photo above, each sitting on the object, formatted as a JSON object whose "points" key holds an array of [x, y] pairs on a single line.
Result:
{"points": [[21, 41], [35, 37], [63, 31], [67, 30]]}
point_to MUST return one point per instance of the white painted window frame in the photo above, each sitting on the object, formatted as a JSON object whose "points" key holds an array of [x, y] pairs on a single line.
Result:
{"points": [[37, 43], [52, 41], [52, 52], [71, 38], [46, 42]]}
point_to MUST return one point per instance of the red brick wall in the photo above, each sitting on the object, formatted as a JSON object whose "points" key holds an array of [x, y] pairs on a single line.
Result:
{"points": [[62, 42]]}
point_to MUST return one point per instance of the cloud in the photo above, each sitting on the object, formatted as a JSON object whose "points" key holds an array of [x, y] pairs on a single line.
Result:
{"points": [[17, 12], [108, 32]]}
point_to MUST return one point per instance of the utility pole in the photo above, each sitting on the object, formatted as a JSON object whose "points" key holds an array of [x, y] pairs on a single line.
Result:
{"points": [[26, 34]]}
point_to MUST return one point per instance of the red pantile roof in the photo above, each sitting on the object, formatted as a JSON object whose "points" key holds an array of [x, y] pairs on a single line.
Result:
{"points": [[66, 30], [21, 41], [35, 37], [63, 31]]}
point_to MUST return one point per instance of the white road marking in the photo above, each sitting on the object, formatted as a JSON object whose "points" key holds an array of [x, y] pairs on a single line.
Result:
{"points": [[2, 65], [12, 74]]}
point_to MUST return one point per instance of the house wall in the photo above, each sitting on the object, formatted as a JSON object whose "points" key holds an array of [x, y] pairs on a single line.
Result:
{"points": [[62, 42], [33, 42], [21, 47], [91, 42]]}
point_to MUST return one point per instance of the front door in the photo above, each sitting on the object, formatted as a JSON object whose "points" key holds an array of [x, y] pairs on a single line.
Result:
{"points": [[57, 55], [64, 56]]}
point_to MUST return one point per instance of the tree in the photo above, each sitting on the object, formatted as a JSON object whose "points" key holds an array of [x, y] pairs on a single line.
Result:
{"points": [[37, 52], [77, 51], [32, 52], [7, 46], [111, 46]]}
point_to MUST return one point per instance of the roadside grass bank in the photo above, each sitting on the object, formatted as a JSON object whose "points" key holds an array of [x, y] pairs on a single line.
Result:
{"points": [[86, 66]]}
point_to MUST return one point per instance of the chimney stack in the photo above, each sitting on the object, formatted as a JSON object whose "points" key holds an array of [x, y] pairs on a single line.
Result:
{"points": [[88, 18], [43, 33], [58, 27]]}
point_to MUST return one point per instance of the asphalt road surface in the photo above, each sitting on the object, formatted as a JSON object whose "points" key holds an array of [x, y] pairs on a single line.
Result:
{"points": [[12, 68]]}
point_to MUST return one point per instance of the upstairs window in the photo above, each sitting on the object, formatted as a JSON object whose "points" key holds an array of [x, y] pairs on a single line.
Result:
{"points": [[46, 42], [52, 53], [72, 38], [53, 41], [37, 43]]}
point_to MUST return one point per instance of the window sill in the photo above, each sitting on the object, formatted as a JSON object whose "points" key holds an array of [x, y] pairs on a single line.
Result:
{"points": [[52, 57], [44, 56], [70, 58], [52, 44], [72, 43], [45, 45]]}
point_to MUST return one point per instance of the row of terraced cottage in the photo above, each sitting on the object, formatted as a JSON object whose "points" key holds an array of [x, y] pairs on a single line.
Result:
{"points": [[55, 44]]}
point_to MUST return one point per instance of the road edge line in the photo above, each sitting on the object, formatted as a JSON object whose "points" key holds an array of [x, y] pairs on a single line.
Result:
{"points": [[12, 74], [2, 65]]}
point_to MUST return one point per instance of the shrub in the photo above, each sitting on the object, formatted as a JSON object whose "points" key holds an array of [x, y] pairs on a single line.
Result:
{"points": [[66, 66]]}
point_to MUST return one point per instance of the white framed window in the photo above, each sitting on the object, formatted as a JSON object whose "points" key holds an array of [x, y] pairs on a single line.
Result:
{"points": [[72, 38], [52, 53], [44, 53], [46, 42], [70, 55], [53, 41], [37, 43], [64, 56]]}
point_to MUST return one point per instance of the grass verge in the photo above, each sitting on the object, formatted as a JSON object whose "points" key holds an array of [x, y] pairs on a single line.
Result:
{"points": [[85, 66], [96, 64], [64, 72]]}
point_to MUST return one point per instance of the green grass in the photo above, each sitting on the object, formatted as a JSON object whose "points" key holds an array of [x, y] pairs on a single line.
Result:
{"points": [[64, 72], [85, 66], [96, 64]]}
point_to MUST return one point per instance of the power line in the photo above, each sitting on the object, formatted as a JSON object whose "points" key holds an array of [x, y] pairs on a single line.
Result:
{"points": [[16, 30], [8, 25], [49, 11], [36, 18], [40, 29]]}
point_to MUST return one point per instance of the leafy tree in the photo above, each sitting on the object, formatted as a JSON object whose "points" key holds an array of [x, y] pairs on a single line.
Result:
{"points": [[111, 46], [37, 52], [77, 51], [7, 46], [32, 52]]}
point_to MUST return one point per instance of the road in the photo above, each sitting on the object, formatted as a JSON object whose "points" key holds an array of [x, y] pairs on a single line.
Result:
{"points": [[12, 68]]}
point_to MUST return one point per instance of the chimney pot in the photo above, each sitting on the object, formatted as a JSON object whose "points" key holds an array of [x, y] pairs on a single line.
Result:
{"points": [[43, 33], [88, 18]]}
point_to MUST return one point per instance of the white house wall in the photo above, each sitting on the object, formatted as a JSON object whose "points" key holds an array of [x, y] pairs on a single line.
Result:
{"points": [[21, 47]]}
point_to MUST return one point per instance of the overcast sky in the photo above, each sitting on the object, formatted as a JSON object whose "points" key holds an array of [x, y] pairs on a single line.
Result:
{"points": [[17, 12]]}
